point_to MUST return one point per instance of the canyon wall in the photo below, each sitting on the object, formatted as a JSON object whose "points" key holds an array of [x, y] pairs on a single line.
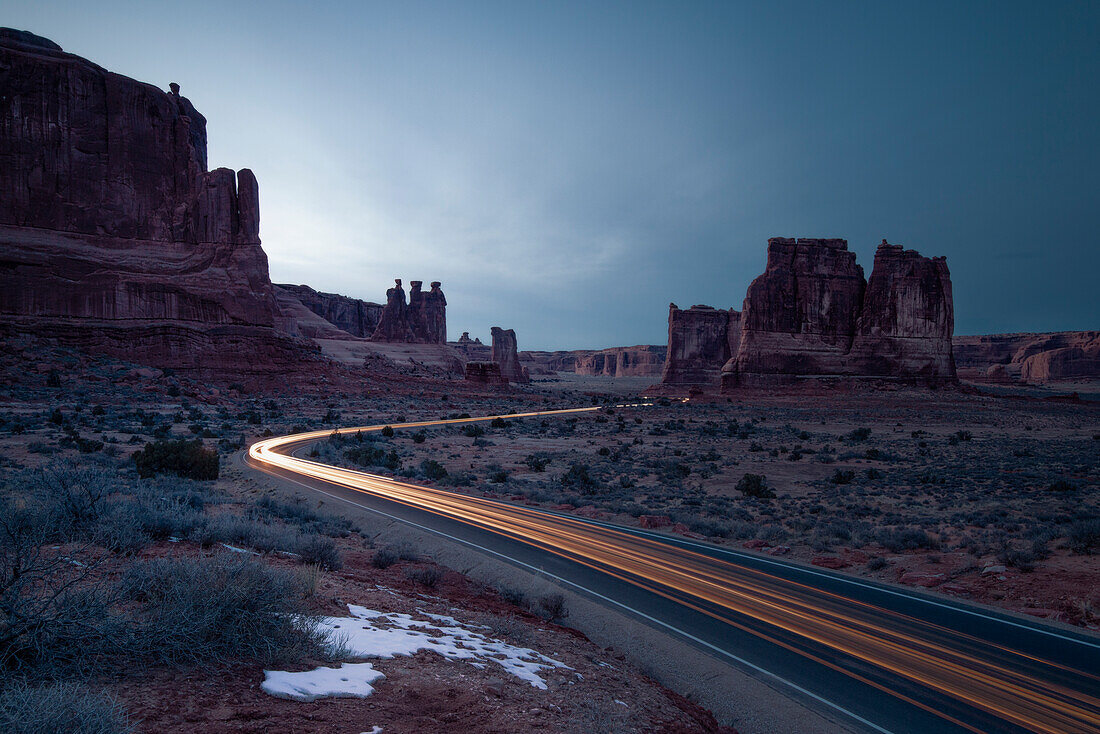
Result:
{"points": [[699, 343], [114, 236], [1036, 358], [637, 361], [352, 315]]}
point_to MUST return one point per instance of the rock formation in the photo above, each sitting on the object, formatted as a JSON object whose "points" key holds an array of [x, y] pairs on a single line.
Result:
{"points": [[506, 354], [472, 349], [699, 340], [811, 314], [485, 372], [1038, 358], [114, 236], [639, 361], [423, 320], [356, 317]]}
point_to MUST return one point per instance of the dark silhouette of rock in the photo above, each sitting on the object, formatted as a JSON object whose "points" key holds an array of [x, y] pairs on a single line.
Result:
{"points": [[506, 354], [1065, 355], [485, 372], [699, 341], [811, 314], [394, 324], [113, 234], [356, 317]]}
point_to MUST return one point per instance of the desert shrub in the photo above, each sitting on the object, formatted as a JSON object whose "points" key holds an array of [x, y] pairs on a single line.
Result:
{"points": [[473, 431], [432, 469], [755, 485], [551, 607], [60, 708], [387, 431], [500, 476], [188, 459], [321, 551], [512, 595], [458, 479], [1061, 485], [428, 576], [498, 423], [577, 476], [71, 498], [859, 434], [537, 462], [419, 437], [842, 476], [877, 563], [1084, 536], [369, 456], [301, 514], [219, 609], [1023, 559], [391, 554]]}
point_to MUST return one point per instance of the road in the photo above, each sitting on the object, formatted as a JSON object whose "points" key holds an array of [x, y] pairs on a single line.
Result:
{"points": [[879, 658]]}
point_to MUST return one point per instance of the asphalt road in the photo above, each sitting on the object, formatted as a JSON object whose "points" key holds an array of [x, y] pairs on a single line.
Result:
{"points": [[877, 657]]}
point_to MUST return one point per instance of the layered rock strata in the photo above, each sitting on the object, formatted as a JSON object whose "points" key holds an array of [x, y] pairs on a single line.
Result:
{"points": [[113, 234], [506, 354], [1039, 358], [637, 361], [699, 343], [487, 373], [811, 314], [352, 315]]}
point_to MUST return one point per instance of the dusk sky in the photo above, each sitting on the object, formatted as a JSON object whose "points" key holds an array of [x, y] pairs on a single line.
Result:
{"points": [[567, 170]]}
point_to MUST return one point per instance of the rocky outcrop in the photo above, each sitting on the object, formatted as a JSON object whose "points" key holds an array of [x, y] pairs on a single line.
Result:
{"points": [[1036, 358], [506, 354], [699, 340], [351, 315], [811, 314], [113, 233], [638, 361], [472, 349], [487, 373], [423, 320], [906, 323]]}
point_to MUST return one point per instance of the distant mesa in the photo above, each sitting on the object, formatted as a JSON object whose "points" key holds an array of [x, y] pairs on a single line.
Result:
{"points": [[811, 314], [1029, 358]]}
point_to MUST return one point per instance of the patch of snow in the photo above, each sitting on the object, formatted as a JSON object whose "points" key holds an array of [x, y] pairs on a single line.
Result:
{"points": [[370, 633], [235, 549], [373, 730], [350, 680]]}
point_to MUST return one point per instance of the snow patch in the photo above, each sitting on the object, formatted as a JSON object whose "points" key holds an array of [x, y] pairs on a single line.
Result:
{"points": [[370, 633], [350, 680]]}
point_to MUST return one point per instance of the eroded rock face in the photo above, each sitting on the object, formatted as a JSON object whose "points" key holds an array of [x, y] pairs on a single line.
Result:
{"points": [[485, 372], [1038, 358], [423, 320], [639, 361], [906, 323], [799, 316], [699, 341], [110, 223], [506, 354], [811, 314], [354, 316]]}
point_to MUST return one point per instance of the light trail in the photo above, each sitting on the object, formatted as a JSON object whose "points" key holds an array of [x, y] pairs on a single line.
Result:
{"points": [[820, 625]]}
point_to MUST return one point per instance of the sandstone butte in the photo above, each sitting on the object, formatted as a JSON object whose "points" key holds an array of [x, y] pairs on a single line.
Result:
{"points": [[812, 314], [506, 354], [114, 235]]}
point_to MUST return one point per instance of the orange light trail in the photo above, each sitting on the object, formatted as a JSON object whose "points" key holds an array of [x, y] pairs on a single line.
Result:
{"points": [[972, 671]]}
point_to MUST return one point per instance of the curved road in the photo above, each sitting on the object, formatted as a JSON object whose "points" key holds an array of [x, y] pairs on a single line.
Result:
{"points": [[879, 658]]}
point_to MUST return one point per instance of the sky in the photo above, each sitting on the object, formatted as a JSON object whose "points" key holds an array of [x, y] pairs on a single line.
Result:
{"points": [[568, 169]]}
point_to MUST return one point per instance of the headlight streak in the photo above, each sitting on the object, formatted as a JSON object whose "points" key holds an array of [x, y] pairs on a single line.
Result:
{"points": [[970, 670]]}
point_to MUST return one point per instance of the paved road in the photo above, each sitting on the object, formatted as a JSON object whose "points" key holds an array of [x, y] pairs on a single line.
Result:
{"points": [[878, 657]]}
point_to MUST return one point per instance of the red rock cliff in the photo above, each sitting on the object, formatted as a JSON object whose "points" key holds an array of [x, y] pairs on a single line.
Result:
{"points": [[1064, 355], [113, 234], [699, 340], [506, 354]]}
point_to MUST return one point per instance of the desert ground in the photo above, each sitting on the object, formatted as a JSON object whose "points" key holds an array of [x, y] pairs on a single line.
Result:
{"points": [[982, 496]]}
